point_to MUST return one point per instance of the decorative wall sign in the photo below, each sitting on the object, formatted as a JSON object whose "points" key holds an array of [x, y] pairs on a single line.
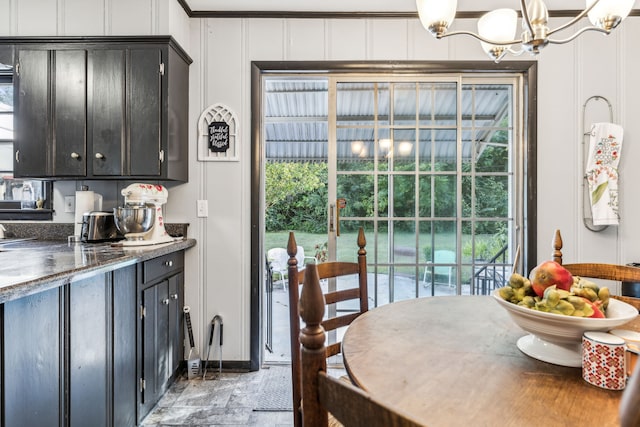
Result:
{"points": [[218, 132], [218, 137]]}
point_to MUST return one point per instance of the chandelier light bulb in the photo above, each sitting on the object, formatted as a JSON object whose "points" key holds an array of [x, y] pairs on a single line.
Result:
{"points": [[499, 25], [436, 15], [607, 14]]}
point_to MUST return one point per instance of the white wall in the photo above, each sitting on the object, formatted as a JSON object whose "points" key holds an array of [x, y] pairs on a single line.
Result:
{"points": [[218, 269]]}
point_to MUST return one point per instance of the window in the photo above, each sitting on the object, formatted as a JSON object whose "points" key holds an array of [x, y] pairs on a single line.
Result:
{"points": [[19, 199]]}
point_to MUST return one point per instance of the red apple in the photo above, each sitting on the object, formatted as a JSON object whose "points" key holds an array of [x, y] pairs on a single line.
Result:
{"points": [[547, 274], [597, 312]]}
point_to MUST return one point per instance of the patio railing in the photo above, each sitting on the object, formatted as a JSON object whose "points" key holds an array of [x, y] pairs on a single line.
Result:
{"points": [[492, 275]]}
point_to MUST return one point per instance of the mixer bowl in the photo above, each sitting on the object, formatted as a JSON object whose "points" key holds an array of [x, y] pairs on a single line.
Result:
{"points": [[134, 219]]}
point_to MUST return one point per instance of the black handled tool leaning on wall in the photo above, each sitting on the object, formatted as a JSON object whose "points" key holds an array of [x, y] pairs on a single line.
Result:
{"points": [[216, 318], [193, 361]]}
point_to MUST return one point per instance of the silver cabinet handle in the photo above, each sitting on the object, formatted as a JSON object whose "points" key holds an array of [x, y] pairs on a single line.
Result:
{"points": [[75, 155], [174, 296], [99, 156], [168, 263], [165, 301], [17, 156]]}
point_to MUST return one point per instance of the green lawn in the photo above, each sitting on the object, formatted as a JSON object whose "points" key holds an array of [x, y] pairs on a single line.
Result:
{"points": [[347, 247]]}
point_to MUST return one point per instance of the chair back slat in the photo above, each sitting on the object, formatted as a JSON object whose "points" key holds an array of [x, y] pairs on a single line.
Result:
{"points": [[337, 269], [622, 273], [339, 321], [342, 295]]}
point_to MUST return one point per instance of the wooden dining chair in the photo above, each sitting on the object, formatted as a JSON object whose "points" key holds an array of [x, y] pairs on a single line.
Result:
{"points": [[326, 270], [322, 394], [630, 403], [620, 273]]}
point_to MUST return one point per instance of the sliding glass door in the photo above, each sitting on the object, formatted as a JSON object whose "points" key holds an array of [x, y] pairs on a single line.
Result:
{"points": [[430, 166]]}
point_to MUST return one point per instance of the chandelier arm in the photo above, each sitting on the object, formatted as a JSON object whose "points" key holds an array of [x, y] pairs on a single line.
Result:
{"points": [[479, 37], [525, 16], [581, 31], [574, 20]]}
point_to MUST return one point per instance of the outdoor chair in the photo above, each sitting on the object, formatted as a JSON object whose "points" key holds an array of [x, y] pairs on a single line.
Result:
{"points": [[323, 395], [440, 257], [278, 258], [325, 270]]}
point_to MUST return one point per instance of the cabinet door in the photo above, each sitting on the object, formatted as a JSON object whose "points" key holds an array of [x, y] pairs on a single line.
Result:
{"points": [[106, 113], [125, 379], [89, 338], [33, 369], [69, 113], [31, 117], [145, 112], [154, 344]]}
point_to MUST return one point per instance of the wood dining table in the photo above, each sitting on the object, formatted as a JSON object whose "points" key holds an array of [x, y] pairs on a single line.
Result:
{"points": [[453, 361]]}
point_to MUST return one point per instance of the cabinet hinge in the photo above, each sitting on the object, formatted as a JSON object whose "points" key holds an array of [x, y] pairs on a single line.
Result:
{"points": [[143, 312], [161, 156], [142, 385], [162, 68]]}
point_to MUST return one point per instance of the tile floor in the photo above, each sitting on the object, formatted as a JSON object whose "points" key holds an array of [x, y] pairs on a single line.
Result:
{"points": [[226, 399]]}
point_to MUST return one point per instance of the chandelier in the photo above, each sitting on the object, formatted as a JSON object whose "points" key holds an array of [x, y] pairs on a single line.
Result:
{"points": [[497, 29]]}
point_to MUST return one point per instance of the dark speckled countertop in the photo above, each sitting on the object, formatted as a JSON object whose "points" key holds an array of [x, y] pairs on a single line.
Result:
{"points": [[31, 266]]}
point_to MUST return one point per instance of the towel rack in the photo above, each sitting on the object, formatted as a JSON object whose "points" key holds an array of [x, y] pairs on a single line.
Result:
{"points": [[587, 216]]}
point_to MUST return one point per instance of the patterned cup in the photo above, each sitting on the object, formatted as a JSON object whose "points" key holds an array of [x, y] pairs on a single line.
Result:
{"points": [[603, 360], [632, 339]]}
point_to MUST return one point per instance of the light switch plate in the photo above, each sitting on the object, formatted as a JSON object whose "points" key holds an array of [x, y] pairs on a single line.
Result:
{"points": [[69, 202], [202, 208]]}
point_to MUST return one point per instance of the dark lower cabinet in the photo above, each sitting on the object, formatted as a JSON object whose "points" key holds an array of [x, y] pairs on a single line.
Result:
{"points": [[125, 319], [33, 380], [100, 351], [88, 337], [162, 337]]}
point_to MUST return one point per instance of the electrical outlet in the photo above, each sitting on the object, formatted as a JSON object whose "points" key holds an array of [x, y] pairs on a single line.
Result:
{"points": [[69, 202], [202, 208]]}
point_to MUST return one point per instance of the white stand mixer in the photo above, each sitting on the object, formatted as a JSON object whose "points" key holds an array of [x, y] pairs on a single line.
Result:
{"points": [[147, 194]]}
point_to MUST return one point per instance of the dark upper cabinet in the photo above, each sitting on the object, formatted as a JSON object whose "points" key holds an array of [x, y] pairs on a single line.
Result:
{"points": [[102, 108], [106, 111], [126, 113], [50, 134]]}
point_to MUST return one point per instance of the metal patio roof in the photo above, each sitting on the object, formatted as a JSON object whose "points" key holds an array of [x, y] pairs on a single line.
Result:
{"points": [[296, 118]]}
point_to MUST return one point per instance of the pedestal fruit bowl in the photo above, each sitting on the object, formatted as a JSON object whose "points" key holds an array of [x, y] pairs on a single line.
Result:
{"points": [[557, 338]]}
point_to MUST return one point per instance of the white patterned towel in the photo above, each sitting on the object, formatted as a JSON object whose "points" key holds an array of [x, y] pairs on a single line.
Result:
{"points": [[605, 144]]}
